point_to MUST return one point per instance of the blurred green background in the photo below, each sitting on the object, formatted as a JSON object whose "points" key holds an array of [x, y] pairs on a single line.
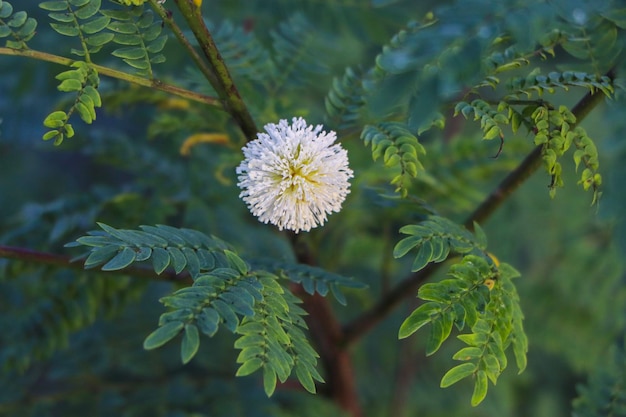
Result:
{"points": [[126, 170]]}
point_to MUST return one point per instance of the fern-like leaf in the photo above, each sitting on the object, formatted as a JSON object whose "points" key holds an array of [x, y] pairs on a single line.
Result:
{"points": [[272, 340], [140, 37], [480, 296], [84, 81], [16, 25], [295, 54], [313, 279], [346, 100], [182, 249], [435, 238], [398, 147], [80, 19]]}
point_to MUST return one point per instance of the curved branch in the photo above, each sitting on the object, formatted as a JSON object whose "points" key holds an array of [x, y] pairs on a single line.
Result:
{"points": [[408, 286], [120, 75]]}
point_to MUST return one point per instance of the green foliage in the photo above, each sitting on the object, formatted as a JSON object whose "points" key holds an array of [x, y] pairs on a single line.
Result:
{"points": [[294, 45], [435, 238], [313, 279], [479, 295], [398, 148], [80, 19], [17, 26], [272, 340], [140, 36], [84, 82], [554, 129], [515, 67], [345, 101], [73, 302], [604, 394], [247, 57], [224, 292], [535, 82], [182, 249]]}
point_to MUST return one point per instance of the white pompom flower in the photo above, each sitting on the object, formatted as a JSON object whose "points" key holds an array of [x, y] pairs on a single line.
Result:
{"points": [[294, 175]]}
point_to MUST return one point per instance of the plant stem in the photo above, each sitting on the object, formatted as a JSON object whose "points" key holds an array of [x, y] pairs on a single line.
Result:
{"points": [[120, 75], [180, 36], [408, 286], [44, 258], [219, 77]]}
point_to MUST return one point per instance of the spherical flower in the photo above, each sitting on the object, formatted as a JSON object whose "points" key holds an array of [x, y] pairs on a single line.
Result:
{"points": [[294, 175]]}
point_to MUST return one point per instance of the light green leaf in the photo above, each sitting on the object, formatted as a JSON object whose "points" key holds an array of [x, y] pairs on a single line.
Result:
{"points": [[85, 113], [419, 317], [457, 373], [236, 262], [249, 366], [87, 8], [480, 388], [304, 376], [269, 380], [69, 85], [53, 6], [130, 53], [55, 119], [95, 25], [64, 29], [100, 39]]}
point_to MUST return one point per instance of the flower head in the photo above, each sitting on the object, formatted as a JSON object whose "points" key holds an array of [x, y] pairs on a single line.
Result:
{"points": [[294, 175]]}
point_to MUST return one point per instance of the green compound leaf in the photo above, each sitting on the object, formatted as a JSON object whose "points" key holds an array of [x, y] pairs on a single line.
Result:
{"points": [[399, 148]]}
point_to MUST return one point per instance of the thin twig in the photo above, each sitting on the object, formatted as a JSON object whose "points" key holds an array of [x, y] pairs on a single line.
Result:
{"points": [[120, 75], [219, 77]]}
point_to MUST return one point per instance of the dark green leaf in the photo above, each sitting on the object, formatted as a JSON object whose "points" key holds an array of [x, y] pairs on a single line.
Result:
{"points": [[121, 260], [162, 335], [190, 343], [177, 259], [226, 313], [423, 256], [101, 255], [160, 260], [208, 321]]}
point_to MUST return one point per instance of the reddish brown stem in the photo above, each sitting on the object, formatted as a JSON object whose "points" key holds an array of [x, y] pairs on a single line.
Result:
{"points": [[327, 335], [44, 258]]}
